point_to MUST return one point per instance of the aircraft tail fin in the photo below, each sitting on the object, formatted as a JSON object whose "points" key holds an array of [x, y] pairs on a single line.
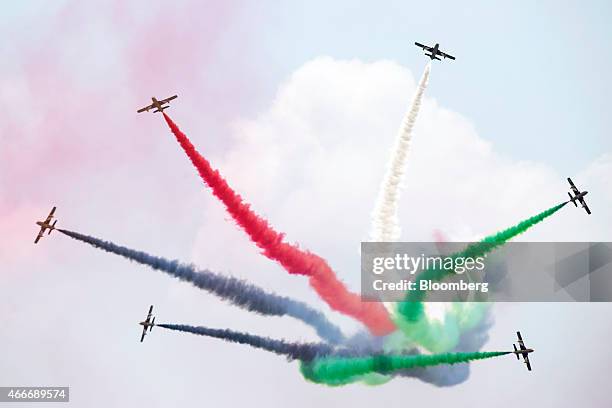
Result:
{"points": [[52, 227], [572, 199], [516, 351], [152, 324]]}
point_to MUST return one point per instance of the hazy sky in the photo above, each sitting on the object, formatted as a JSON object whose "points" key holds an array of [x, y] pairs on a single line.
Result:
{"points": [[298, 105]]}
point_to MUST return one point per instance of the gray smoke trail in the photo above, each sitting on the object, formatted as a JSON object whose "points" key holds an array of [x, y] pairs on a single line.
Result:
{"points": [[237, 292], [293, 351], [385, 225], [361, 345]]}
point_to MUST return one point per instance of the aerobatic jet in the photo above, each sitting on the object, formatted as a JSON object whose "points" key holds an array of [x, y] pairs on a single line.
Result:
{"points": [[524, 351], [158, 105], [147, 323], [578, 196], [434, 51], [45, 225]]}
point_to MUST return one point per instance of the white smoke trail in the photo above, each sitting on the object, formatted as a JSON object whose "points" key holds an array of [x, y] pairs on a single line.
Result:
{"points": [[385, 224]]}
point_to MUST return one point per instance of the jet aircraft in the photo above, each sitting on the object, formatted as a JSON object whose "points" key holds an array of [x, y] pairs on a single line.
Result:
{"points": [[159, 105], [148, 323], [45, 225], [578, 196], [434, 51], [523, 351]]}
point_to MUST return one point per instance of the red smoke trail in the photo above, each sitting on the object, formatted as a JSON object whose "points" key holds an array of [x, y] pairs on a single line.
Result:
{"points": [[296, 261]]}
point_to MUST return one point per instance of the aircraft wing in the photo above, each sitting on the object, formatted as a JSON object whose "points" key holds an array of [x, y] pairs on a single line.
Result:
{"points": [[50, 216], [168, 99], [145, 109], [40, 234], [144, 332], [150, 313], [521, 343], [527, 362], [446, 55], [584, 205], [422, 46], [573, 186]]}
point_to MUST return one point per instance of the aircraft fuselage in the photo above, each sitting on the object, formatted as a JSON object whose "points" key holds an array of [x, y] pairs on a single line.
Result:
{"points": [[580, 195], [434, 52], [158, 105]]}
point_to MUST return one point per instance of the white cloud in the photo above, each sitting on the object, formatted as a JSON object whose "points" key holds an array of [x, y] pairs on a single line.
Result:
{"points": [[312, 164]]}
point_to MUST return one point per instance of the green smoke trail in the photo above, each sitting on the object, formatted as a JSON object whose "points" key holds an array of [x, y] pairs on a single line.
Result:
{"points": [[411, 310], [491, 242], [437, 336], [342, 370]]}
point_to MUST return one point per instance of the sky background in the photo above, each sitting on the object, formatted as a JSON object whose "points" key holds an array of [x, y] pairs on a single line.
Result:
{"points": [[298, 105]]}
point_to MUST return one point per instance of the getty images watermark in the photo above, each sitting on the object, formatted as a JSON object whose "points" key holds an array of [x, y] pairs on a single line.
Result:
{"points": [[519, 271]]}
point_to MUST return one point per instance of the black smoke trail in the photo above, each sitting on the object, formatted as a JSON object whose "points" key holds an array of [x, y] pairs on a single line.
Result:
{"points": [[236, 291]]}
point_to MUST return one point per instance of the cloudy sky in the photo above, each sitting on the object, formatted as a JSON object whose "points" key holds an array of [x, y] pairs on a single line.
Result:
{"points": [[298, 106]]}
